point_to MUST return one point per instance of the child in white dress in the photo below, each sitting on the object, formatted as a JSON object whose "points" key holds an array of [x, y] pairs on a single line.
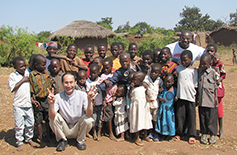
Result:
{"points": [[139, 114], [121, 116]]}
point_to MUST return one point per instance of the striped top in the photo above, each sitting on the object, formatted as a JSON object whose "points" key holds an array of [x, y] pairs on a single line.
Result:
{"points": [[39, 82], [170, 67]]}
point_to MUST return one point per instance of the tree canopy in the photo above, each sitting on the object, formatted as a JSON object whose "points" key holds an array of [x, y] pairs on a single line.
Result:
{"points": [[193, 20], [106, 22], [233, 19]]}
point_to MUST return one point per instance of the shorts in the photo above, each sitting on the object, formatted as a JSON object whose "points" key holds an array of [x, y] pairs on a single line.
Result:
{"points": [[42, 113], [220, 108], [154, 113], [108, 113], [97, 115]]}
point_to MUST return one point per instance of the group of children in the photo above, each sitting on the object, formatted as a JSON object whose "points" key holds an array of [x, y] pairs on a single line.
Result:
{"points": [[150, 97]]}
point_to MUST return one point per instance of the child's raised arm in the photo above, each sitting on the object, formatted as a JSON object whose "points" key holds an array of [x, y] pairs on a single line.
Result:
{"points": [[24, 79]]}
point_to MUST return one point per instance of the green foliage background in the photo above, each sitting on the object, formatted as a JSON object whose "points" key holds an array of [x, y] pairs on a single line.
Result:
{"points": [[16, 42]]}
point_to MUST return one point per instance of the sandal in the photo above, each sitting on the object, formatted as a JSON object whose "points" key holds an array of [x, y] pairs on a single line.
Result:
{"points": [[139, 142], [212, 139], [156, 138], [176, 138], [204, 139], [192, 140], [148, 139]]}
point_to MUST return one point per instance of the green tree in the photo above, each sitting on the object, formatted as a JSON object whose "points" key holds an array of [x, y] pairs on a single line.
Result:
{"points": [[123, 28], [106, 22], [63, 42], [233, 19], [43, 36], [193, 20], [144, 27], [16, 42]]}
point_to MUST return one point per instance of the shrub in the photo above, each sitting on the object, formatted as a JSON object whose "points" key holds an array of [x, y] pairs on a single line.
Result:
{"points": [[16, 42]]}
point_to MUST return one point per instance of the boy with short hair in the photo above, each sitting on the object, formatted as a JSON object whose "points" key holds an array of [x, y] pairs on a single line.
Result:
{"points": [[22, 107], [81, 81], [56, 76], [207, 100], [40, 80], [147, 58], [98, 106], [186, 112], [115, 50]]}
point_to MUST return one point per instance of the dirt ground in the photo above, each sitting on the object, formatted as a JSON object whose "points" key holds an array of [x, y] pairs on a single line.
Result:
{"points": [[106, 146]]}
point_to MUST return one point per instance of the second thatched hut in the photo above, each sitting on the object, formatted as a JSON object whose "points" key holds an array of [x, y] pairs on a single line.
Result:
{"points": [[84, 32]]}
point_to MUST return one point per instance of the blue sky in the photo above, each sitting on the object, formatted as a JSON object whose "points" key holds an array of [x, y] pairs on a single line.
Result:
{"points": [[52, 15]]}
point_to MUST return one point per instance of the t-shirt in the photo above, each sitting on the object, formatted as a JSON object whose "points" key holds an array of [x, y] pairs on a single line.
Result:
{"points": [[71, 107], [116, 62], [176, 51], [153, 90], [22, 94], [187, 82], [98, 98]]}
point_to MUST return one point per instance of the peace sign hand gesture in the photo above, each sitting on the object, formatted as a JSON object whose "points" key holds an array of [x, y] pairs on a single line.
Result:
{"points": [[51, 97], [91, 93]]}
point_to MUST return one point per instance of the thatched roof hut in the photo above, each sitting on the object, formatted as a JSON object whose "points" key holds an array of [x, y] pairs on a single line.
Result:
{"points": [[224, 35], [84, 32]]}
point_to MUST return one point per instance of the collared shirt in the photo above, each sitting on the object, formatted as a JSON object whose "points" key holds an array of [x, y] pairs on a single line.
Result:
{"points": [[71, 107], [206, 87], [22, 94], [116, 63], [39, 82], [57, 82], [67, 67], [153, 90]]}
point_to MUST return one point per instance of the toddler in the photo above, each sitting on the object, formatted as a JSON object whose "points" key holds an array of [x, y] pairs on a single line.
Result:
{"points": [[166, 116], [139, 113], [152, 83], [121, 117]]}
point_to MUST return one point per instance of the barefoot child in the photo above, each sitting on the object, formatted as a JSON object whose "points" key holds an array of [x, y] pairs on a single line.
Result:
{"points": [[22, 107], [186, 91], [97, 108], [207, 99], [152, 83], [107, 95], [40, 80], [139, 113], [121, 117], [218, 66], [166, 116]]}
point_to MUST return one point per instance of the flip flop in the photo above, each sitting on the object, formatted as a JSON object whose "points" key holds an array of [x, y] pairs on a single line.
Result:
{"points": [[176, 138], [156, 138], [192, 140]]}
